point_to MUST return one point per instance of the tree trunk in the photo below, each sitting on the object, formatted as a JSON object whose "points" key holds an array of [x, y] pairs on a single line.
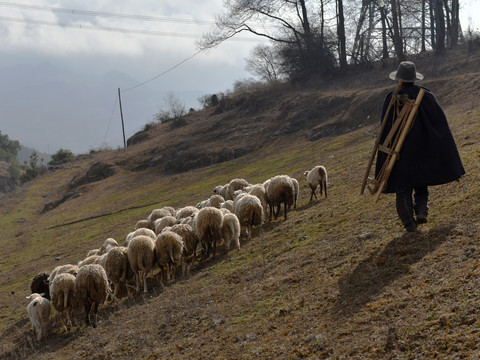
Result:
{"points": [[384, 33], [397, 40], [424, 30], [440, 25], [341, 35]]}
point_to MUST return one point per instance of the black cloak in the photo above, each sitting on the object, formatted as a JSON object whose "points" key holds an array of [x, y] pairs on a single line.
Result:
{"points": [[429, 155]]}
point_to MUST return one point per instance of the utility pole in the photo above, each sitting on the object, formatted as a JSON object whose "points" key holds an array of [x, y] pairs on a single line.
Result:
{"points": [[121, 115]]}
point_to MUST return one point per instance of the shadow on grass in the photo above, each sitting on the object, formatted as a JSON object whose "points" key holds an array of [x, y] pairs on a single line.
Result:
{"points": [[371, 276]]}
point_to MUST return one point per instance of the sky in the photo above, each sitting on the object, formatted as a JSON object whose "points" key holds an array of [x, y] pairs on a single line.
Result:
{"points": [[158, 52], [64, 62]]}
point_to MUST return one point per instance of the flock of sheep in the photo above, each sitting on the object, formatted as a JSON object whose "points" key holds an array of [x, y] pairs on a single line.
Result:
{"points": [[169, 238]]}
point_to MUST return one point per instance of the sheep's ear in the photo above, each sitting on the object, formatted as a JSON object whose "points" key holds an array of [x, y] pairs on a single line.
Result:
{"points": [[42, 294], [305, 173]]}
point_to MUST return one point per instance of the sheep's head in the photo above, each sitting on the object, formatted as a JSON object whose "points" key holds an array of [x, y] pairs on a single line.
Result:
{"points": [[217, 190], [306, 173]]}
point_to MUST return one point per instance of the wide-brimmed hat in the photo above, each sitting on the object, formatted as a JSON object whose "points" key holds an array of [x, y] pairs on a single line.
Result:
{"points": [[407, 72]]}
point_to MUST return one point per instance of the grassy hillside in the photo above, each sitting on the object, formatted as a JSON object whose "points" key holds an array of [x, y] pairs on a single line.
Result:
{"points": [[340, 279]]}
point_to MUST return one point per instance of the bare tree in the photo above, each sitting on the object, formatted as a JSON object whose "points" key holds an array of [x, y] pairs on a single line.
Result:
{"points": [[284, 22], [263, 63]]}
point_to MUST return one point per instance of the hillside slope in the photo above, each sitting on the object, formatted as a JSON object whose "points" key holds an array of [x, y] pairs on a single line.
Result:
{"points": [[339, 279]]}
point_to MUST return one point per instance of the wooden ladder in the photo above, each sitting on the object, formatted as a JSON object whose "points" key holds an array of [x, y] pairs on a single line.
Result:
{"points": [[393, 141]]}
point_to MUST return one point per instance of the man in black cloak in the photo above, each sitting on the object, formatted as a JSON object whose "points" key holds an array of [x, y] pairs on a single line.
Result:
{"points": [[429, 155]]}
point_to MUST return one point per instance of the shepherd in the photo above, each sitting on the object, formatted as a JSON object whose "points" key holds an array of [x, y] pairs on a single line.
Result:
{"points": [[429, 155]]}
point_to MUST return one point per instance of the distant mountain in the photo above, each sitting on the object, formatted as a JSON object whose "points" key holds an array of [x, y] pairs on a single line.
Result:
{"points": [[48, 107], [25, 152]]}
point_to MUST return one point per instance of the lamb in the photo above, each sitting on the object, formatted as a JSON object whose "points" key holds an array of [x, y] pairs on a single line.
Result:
{"points": [[63, 297], [163, 222], [231, 230], [208, 227], [317, 177], [141, 231], [39, 284], [117, 268], [186, 212], [190, 242], [169, 254], [91, 290], [279, 190], [141, 256], [249, 211], [67, 268], [39, 313]]}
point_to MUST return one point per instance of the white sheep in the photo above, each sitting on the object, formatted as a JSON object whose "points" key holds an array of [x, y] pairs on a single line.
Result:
{"points": [[169, 254], [227, 204], [63, 296], [39, 313], [317, 177], [163, 222], [141, 256], [102, 259], [142, 224], [91, 290], [259, 191], [190, 220], [234, 185], [67, 268], [92, 252], [190, 242], [107, 245], [296, 187], [280, 190], [249, 211], [157, 214], [88, 260], [208, 227], [215, 201], [221, 190], [185, 212], [141, 231], [231, 230], [118, 268]]}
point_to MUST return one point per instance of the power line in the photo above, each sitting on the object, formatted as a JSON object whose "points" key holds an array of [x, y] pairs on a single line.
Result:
{"points": [[166, 71], [101, 28], [107, 14]]}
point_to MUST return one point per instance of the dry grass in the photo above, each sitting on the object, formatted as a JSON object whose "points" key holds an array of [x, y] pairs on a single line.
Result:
{"points": [[340, 279]]}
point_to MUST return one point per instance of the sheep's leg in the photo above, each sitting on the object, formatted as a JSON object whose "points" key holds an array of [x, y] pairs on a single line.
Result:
{"points": [[285, 209], [237, 241], [137, 281], [94, 315], [325, 185], [87, 312], [144, 276], [249, 232], [271, 211]]}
